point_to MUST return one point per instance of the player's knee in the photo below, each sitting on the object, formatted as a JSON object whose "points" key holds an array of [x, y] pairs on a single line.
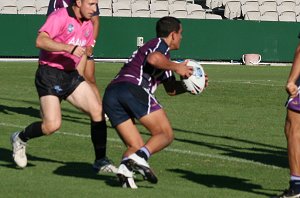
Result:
{"points": [[169, 136], [51, 127], [90, 79], [96, 113]]}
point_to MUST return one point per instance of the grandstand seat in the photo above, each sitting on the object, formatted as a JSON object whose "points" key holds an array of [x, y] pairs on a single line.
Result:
{"points": [[267, 2], [286, 11], [279, 2], [232, 9], [286, 6], [269, 16], [140, 9], [214, 3], [163, 1], [195, 11], [267, 7], [26, 6], [105, 7], [180, 2], [252, 16], [287, 16], [177, 10], [249, 6], [245, 1], [122, 9], [8, 7], [41, 6], [159, 9], [297, 10], [212, 16]]}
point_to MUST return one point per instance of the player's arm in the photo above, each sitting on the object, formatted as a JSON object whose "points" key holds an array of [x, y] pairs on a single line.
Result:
{"points": [[174, 87], [44, 42], [96, 25], [291, 86], [160, 61]]}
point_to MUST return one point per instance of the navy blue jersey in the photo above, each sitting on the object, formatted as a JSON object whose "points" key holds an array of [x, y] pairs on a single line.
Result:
{"points": [[138, 71]]}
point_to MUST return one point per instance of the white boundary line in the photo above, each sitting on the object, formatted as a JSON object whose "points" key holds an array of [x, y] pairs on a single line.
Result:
{"points": [[120, 60], [179, 151]]}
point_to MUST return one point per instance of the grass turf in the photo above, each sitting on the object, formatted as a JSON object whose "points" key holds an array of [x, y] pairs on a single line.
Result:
{"points": [[229, 140]]}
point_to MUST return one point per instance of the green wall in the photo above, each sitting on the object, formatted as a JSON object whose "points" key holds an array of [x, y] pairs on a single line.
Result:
{"points": [[202, 39]]}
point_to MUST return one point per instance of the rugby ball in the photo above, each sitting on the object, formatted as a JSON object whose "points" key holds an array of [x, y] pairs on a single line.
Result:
{"points": [[195, 84]]}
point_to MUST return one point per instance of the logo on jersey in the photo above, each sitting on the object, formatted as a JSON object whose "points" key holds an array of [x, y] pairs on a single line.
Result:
{"points": [[87, 33], [70, 28]]}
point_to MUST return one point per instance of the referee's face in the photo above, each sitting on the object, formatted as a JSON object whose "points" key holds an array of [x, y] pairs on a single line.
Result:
{"points": [[88, 8]]}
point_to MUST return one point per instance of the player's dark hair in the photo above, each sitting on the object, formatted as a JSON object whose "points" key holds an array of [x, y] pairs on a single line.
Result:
{"points": [[166, 25]]}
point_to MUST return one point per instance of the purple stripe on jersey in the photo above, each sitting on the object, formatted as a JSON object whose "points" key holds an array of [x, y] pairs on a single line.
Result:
{"points": [[138, 71]]}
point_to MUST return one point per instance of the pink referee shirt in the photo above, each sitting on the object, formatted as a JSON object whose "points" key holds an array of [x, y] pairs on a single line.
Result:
{"points": [[62, 26]]}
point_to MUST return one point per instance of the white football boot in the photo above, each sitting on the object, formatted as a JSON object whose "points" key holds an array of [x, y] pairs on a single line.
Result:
{"points": [[126, 177], [141, 165], [19, 150]]}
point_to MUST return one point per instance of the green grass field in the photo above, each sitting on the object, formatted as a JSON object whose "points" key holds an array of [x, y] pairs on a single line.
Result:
{"points": [[229, 141]]}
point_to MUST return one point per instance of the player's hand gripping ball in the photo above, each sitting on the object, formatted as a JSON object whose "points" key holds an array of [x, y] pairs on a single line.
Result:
{"points": [[195, 84]]}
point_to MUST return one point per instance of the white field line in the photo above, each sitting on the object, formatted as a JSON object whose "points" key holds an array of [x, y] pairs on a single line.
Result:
{"points": [[253, 82], [179, 151]]}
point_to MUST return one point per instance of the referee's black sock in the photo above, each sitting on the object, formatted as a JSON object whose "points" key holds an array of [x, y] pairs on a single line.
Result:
{"points": [[98, 136], [34, 130]]}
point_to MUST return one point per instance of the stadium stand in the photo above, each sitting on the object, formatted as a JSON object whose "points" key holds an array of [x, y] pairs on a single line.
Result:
{"points": [[250, 6], [26, 6], [178, 10], [8, 7], [105, 8], [159, 9], [140, 9], [214, 3], [195, 11], [269, 16], [252, 15], [41, 6], [122, 8], [213, 16], [232, 9], [257, 10]]}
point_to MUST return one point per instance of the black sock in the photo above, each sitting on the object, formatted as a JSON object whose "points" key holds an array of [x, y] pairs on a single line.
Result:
{"points": [[142, 154], [98, 136], [34, 130]]}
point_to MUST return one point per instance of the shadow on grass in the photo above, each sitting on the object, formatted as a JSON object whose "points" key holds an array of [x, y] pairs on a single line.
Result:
{"points": [[6, 156], [253, 151], [32, 112], [263, 155], [226, 182], [85, 170], [71, 169]]}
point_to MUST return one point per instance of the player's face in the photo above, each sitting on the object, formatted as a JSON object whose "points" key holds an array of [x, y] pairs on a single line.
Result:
{"points": [[88, 8], [177, 36]]}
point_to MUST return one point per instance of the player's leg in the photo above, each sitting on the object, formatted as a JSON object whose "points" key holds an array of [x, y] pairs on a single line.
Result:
{"points": [[51, 121], [130, 136], [84, 98], [89, 75], [161, 136], [160, 128], [133, 141], [292, 132]]}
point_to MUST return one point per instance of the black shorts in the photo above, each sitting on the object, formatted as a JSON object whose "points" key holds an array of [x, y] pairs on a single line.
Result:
{"points": [[53, 81], [124, 100]]}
